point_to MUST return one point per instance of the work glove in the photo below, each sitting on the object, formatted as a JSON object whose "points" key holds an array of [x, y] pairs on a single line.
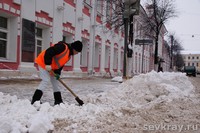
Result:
{"points": [[48, 68], [57, 76]]}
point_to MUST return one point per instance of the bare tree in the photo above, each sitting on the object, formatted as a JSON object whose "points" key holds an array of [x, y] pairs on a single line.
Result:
{"points": [[119, 16], [176, 47], [178, 59], [114, 13], [114, 16], [158, 13]]}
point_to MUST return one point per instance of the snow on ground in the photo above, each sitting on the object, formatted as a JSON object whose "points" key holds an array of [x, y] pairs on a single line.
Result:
{"points": [[117, 79], [144, 99]]}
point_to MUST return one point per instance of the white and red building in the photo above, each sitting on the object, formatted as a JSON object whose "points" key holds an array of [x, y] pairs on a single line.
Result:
{"points": [[27, 27]]}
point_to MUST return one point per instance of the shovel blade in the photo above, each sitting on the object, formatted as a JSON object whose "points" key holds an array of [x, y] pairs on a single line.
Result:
{"points": [[79, 101]]}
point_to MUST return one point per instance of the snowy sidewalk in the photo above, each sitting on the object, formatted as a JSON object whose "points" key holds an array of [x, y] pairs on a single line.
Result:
{"points": [[24, 87]]}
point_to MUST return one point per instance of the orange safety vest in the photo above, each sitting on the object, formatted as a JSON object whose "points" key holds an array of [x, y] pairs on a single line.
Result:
{"points": [[57, 61]]}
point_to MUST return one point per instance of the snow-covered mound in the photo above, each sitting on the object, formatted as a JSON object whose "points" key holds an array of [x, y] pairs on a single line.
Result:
{"points": [[117, 79], [112, 111], [148, 88]]}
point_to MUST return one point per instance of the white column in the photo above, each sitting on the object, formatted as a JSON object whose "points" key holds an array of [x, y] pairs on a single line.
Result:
{"points": [[102, 65], [121, 40], [112, 54], [78, 28], [92, 38], [57, 21], [28, 9]]}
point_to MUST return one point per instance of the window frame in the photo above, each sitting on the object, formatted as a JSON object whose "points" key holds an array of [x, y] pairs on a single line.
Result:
{"points": [[100, 7], [6, 31], [38, 38]]}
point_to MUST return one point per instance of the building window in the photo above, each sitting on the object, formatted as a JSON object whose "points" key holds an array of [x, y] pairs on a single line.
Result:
{"points": [[192, 57], [115, 58], [197, 57], [39, 41], [96, 62], [188, 57], [108, 11], [3, 36], [100, 6], [28, 41], [192, 64], [197, 64], [39, 32]]}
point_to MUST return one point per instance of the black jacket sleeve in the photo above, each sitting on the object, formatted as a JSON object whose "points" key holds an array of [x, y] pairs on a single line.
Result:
{"points": [[52, 51], [58, 71]]}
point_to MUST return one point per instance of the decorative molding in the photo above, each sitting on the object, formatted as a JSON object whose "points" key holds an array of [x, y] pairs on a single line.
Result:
{"points": [[115, 45], [108, 25], [108, 42], [71, 2], [85, 34], [80, 18], [98, 39], [99, 19], [10, 7], [69, 28], [43, 17], [60, 8], [86, 10]]}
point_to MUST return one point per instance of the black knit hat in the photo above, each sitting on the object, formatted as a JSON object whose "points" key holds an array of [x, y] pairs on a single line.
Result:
{"points": [[77, 45]]}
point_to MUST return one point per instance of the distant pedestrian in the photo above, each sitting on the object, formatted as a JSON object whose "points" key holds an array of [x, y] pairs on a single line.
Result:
{"points": [[53, 59], [160, 69]]}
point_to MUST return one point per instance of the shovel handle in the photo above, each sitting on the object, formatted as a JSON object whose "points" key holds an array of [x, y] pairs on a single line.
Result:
{"points": [[67, 87], [63, 84], [76, 97]]}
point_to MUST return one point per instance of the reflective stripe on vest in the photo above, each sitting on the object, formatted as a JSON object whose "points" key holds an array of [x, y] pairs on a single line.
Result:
{"points": [[56, 59]]}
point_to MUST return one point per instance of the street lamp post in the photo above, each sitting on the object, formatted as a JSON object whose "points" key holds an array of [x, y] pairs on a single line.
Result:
{"points": [[126, 20], [131, 7]]}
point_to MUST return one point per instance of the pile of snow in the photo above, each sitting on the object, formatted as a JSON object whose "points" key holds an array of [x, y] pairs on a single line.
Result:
{"points": [[113, 110], [117, 79], [149, 88]]}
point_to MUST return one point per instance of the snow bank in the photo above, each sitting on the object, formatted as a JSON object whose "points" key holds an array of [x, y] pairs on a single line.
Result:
{"points": [[118, 106], [117, 79], [149, 88]]}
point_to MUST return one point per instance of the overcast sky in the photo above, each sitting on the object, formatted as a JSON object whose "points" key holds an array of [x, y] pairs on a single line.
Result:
{"points": [[187, 25]]}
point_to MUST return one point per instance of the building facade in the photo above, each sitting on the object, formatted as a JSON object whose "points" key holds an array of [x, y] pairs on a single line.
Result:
{"points": [[192, 59], [28, 27]]}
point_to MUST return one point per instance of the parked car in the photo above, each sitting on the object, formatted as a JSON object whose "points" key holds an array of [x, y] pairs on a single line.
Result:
{"points": [[190, 70]]}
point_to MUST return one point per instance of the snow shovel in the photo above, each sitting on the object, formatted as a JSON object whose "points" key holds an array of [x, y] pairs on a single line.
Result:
{"points": [[76, 97]]}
